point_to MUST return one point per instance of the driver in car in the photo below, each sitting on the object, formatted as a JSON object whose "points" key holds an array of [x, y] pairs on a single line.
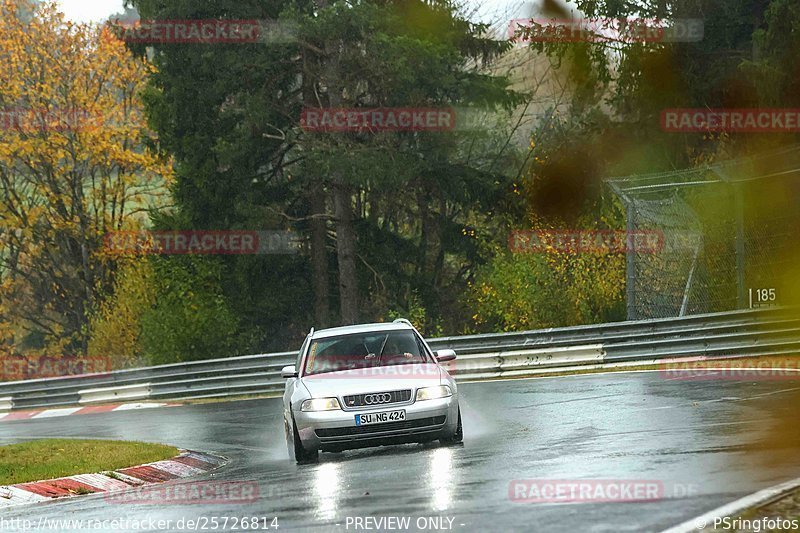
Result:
{"points": [[400, 350]]}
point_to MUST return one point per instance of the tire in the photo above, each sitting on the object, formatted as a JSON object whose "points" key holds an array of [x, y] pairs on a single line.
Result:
{"points": [[289, 439], [456, 437], [296, 450]]}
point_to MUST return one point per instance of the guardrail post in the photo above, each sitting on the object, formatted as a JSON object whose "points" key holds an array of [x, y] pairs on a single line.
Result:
{"points": [[107, 394], [6, 403]]}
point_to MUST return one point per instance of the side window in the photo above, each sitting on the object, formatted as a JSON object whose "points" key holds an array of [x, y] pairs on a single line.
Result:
{"points": [[300, 354], [422, 349]]}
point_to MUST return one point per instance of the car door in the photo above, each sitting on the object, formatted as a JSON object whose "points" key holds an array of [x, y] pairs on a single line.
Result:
{"points": [[292, 383]]}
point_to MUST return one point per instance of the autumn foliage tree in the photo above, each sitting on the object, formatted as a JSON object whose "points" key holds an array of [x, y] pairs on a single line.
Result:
{"points": [[561, 189], [74, 165]]}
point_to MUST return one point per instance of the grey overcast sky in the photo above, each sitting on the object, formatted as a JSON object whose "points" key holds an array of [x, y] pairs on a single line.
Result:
{"points": [[99, 10]]}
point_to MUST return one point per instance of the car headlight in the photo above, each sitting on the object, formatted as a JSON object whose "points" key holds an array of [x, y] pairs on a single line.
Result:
{"points": [[432, 393], [320, 404]]}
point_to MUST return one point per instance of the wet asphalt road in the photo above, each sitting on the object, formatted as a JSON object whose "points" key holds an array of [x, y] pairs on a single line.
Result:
{"points": [[706, 441]]}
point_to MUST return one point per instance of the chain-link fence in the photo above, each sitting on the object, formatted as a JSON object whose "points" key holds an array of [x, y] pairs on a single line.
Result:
{"points": [[730, 235]]}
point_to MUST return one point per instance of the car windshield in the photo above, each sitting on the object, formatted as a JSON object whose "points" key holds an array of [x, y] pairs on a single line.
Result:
{"points": [[364, 350]]}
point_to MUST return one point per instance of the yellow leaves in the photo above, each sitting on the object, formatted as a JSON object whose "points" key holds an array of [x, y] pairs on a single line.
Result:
{"points": [[546, 289], [115, 326], [68, 173]]}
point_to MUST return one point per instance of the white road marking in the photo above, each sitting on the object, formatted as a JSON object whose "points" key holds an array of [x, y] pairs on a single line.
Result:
{"points": [[57, 412], [735, 508]]}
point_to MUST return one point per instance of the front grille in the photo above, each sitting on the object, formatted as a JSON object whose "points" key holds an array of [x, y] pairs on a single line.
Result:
{"points": [[377, 398], [378, 428]]}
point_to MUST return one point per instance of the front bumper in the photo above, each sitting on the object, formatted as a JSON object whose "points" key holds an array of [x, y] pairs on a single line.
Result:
{"points": [[336, 430]]}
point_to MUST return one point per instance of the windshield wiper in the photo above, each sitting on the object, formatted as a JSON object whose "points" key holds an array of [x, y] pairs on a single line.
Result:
{"points": [[383, 347]]}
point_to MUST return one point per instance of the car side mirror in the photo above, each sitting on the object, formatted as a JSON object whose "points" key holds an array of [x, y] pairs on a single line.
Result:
{"points": [[289, 372], [445, 355]]}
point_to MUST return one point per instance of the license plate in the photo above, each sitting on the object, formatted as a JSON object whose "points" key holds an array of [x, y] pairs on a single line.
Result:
{"points": [[380, 418]]}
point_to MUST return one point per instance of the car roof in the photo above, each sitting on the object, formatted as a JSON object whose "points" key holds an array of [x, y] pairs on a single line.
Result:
{"points": [[361, 328]]}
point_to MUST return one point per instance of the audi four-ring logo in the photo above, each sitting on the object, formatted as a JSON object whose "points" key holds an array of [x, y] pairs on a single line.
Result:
{"points": [[372, 399]]}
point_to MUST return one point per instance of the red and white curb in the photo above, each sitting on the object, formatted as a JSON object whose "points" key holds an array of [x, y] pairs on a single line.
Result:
{"points": [[67, 411], [185, 465]]}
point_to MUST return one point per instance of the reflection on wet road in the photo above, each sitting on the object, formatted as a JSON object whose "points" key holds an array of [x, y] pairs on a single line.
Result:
{"points": [[708, 442]]}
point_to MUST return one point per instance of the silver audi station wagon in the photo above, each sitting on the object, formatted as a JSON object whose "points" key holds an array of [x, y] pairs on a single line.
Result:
{"points": [[368, 385]]}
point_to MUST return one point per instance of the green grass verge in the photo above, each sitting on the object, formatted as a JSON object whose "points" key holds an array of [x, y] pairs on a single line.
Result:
{"points": [[52, 458]]}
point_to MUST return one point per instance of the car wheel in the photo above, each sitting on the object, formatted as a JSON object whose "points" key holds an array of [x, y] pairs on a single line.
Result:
{"points": [[296, 450], [456, 437]]}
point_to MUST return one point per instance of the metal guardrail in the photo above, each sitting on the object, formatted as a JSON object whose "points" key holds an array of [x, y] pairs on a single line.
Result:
{"points": [[109, 394], [748, 333]]}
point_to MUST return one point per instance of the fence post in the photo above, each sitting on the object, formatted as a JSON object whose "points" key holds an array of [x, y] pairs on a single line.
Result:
{"points": [[741, 290], [630, 257], [630, 262], [738, 208]]}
